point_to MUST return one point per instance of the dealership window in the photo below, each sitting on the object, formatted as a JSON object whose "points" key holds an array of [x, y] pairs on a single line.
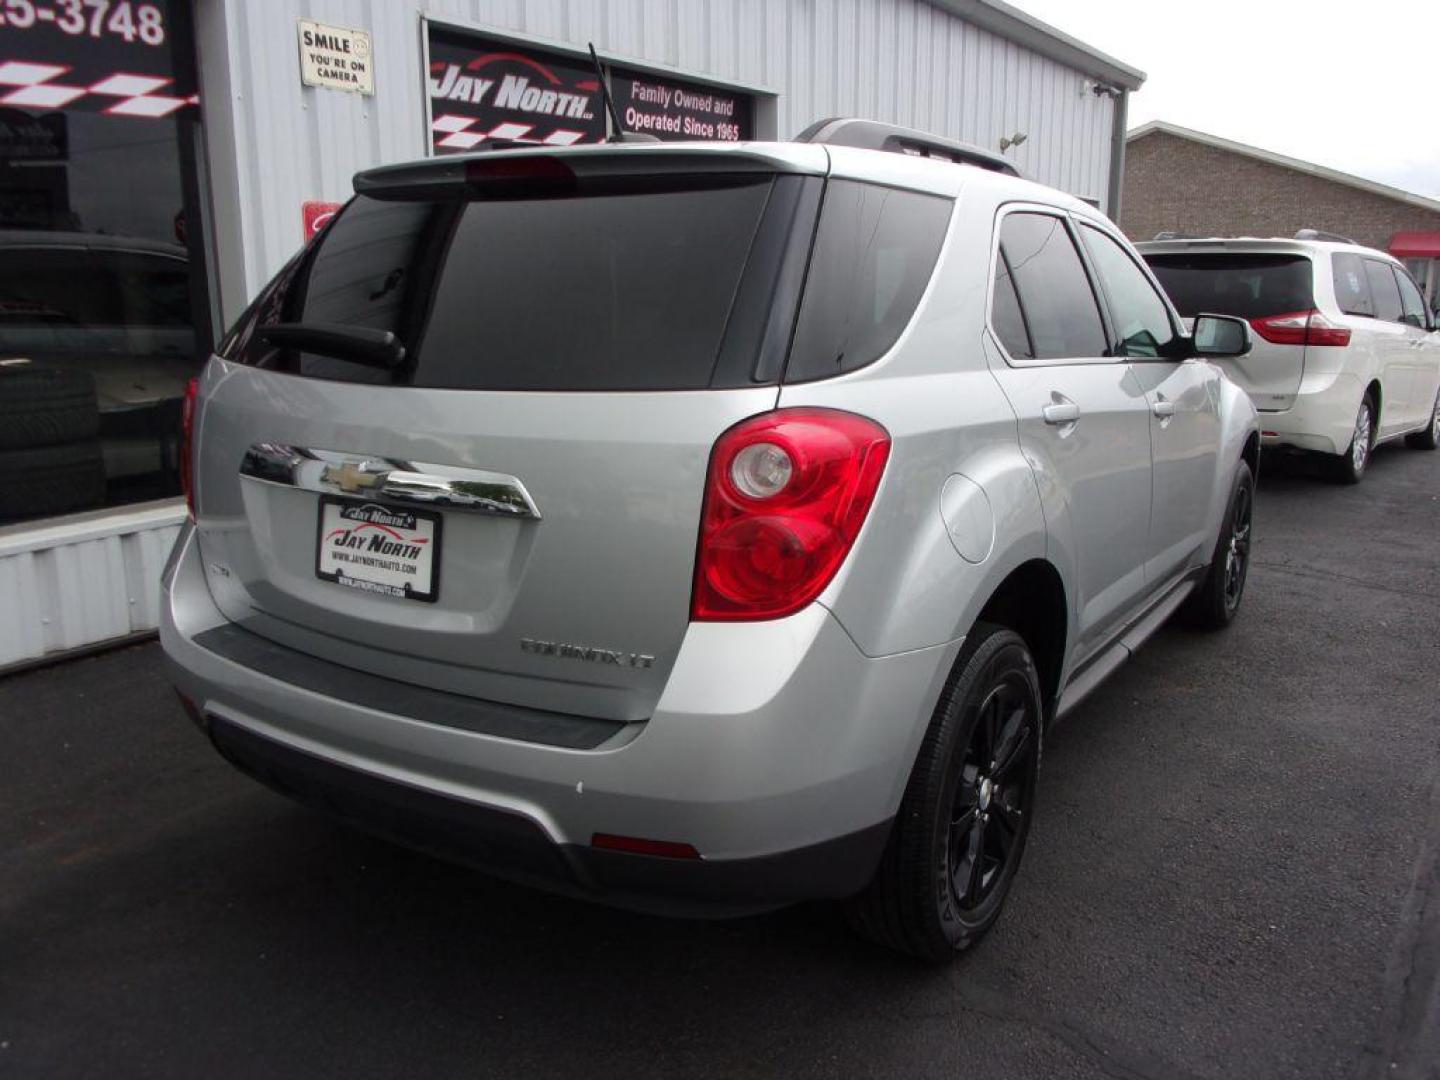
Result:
{"points": [[102, 305], [487, 90]]}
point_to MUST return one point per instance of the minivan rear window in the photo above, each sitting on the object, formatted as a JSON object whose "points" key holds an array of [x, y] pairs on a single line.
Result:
{"points": [[617, 286], [1251, 286]]}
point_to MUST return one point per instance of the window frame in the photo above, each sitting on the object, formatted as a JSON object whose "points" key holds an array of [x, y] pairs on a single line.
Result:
{"points": [[1174, 350], [1066, 218]]}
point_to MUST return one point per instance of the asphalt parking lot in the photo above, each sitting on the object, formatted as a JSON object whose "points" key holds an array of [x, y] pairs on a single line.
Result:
{"points": [[1235, 873]]}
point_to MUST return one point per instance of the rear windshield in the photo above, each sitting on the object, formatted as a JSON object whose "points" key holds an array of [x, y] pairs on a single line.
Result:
{"points": [[620, 286], [1230, 283]]}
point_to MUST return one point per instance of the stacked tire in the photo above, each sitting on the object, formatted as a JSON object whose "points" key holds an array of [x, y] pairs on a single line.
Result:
{"points": [[50, 461]]}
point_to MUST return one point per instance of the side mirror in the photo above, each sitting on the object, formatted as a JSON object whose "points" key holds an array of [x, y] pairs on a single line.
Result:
{"points": [[1220, 335]]}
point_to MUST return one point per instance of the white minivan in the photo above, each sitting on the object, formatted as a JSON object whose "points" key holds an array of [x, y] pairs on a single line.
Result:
{"points": [[1346, 354]]}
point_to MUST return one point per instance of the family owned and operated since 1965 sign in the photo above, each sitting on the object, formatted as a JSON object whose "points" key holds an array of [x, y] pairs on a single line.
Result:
{"points": [[670, 110], [337, 57], [481, 88]]}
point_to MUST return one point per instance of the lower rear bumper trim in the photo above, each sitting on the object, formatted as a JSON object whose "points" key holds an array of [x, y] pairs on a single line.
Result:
{"points": [[512, 846]]}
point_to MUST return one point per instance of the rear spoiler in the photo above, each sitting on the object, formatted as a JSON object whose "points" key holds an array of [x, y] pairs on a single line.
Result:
{"points": [[421, 179]]}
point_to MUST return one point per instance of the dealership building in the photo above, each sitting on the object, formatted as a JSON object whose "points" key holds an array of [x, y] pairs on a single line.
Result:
{"points": [[160, 160]]}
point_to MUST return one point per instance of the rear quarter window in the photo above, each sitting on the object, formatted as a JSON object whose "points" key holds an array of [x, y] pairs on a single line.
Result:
{"points": [[1251, 286], [875, 248], [1352, 287]]}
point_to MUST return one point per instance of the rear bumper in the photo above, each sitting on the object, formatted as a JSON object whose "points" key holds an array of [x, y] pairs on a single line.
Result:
{"points": [[777, 750], [1321, 419], [512, 846]]}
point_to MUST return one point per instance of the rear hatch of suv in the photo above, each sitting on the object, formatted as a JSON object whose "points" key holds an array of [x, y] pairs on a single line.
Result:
{"points": [[1273, 290], [462, 439]]}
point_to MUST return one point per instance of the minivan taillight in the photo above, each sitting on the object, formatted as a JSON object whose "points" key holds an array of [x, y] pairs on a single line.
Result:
{"points": [[1300, 328], [187, 444], [785, 496]]}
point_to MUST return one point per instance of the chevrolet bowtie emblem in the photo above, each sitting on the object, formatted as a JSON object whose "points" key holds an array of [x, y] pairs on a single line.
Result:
{"points": [[351, 478]]}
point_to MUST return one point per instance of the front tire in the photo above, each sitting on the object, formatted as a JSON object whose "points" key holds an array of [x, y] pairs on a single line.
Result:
{"points": [[1349, 467], [1216, 600], [1428, 439], [961, 830]]}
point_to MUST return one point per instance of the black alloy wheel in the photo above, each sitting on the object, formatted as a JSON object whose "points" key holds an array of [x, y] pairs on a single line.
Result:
{"points": [[1237, 552], [1215, 601], [994, 795], [961, 828]]}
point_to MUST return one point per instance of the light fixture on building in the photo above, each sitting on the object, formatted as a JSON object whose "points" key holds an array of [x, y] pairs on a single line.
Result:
{"points": [[1012, 140]]}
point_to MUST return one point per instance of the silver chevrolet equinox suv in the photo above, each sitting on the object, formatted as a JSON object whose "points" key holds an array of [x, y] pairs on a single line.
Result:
{"points": [[701, 528]]}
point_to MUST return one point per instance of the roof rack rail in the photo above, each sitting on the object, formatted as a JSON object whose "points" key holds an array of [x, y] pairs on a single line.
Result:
{"points": [[1321, 234], [1171, 234], [873, 135]]}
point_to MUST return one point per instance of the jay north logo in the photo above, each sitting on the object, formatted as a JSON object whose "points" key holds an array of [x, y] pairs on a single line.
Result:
{"points": [[385, 539], [514, 92]]}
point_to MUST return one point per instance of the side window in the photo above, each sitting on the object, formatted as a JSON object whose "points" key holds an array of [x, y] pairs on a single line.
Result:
{"points": [[1006, 316], [1141, 321], [1383, 290], [1052, 288], [875, 249], [1352, 287], [1411, 302]]}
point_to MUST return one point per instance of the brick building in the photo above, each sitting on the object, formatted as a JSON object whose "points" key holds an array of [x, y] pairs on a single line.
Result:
{"points": [[1187, 181]]}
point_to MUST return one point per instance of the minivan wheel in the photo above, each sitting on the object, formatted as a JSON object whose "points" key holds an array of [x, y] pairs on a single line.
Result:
{"points": [[1350, 466], [960, 833], [1428, 439], [1216, 600]]}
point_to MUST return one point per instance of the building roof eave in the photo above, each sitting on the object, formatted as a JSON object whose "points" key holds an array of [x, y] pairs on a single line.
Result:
{"points": [[1270, 157], [1015, 25]]}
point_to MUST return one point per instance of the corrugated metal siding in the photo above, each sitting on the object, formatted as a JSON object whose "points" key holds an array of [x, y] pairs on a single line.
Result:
{"points": [[901, 61], [85, 581]]}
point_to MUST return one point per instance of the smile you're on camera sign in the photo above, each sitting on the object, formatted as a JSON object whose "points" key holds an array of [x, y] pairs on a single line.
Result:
{"points": [[337, 57]]}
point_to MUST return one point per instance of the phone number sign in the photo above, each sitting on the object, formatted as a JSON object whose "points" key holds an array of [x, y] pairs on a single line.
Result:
{"points": [[110, 56]]}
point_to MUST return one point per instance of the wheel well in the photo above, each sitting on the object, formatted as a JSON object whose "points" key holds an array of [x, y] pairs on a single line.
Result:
{"points": [[1251, 454], [1373, 392], [1031, 602]]}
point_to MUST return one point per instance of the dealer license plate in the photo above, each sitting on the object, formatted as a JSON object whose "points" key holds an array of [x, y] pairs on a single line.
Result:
{"points": [[379, 549]]}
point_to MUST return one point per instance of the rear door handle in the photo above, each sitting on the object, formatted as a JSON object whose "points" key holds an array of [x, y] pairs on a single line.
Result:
{"points": [[1061, 412], [1163, 409]]}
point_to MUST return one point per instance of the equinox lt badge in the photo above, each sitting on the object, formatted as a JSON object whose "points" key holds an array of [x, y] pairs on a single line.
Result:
{"points": [[587, 652]]}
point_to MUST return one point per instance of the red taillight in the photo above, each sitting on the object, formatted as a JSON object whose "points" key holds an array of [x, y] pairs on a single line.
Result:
{"points": [[635, 845], [1300, 328], [187, 444], [785, 497]]}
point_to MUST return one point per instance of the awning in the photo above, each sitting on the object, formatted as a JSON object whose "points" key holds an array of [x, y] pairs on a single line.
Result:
{"points": [[1415, 245]]}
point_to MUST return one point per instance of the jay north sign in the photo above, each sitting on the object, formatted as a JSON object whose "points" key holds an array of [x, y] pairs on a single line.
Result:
{"points": [[481, 88]]}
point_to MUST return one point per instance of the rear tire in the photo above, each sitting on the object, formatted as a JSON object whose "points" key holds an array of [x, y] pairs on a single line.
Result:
{"points": [[960, 833], [1349, 467], [44, 406], [1428, 439], [1216, 600]]}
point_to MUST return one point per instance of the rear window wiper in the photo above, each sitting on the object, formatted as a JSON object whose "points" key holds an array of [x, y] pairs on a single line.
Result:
{"points": [[357, 344]]}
